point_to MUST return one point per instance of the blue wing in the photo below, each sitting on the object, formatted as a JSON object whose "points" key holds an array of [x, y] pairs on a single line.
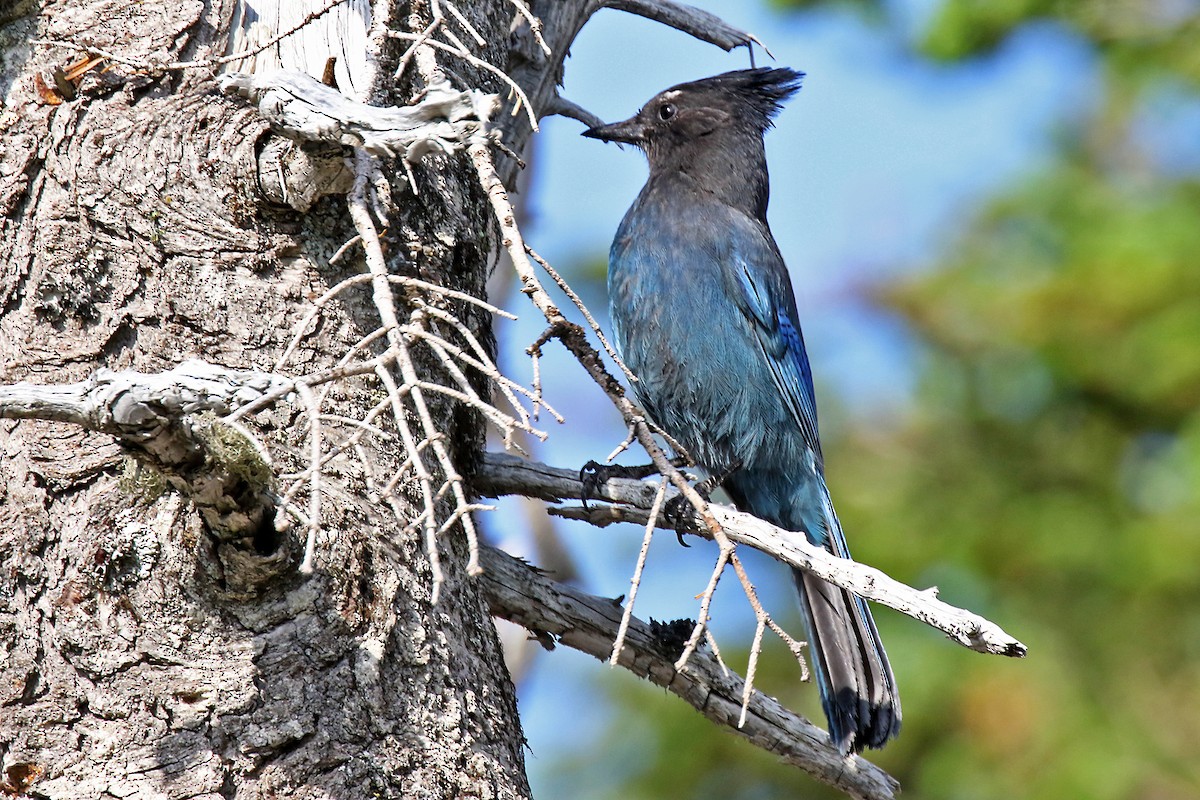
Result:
{"points": [[765, 297]]}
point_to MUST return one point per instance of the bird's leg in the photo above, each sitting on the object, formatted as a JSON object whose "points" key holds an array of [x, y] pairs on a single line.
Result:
{"points": [[676, 509], [593, 475]]}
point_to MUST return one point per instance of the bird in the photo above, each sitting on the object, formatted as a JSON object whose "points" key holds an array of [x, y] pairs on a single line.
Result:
{"points": [[704, 315]]}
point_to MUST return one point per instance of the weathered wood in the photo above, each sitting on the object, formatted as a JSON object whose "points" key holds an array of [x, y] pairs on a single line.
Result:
{"points": [[558, 613], [630, 501], [303, 108], [136, 659]]}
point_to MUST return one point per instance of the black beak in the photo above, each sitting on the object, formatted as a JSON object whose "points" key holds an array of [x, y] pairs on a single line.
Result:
{"points": [[631, 131]]}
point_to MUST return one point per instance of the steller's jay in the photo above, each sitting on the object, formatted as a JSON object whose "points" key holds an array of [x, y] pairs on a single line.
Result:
{"points": [[704, 315]]}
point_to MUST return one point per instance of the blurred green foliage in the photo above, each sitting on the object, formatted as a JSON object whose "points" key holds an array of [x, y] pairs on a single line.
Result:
{"points": [[1047, 477], [1144, 38]]}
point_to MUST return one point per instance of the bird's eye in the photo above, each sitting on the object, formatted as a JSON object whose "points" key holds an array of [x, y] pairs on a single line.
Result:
{"points": [[666, 111]]}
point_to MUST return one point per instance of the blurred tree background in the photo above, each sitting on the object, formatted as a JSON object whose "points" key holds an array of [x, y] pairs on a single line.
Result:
{"points": [[1048, 475]]}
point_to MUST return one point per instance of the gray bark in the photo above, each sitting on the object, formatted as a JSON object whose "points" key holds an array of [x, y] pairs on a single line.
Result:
{"points": [[158, 646], [139, 660]]}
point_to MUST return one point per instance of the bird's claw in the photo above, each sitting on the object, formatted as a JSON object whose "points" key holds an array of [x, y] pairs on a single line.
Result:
{"points": [[679, 510], [675, 512], [593, 475]]}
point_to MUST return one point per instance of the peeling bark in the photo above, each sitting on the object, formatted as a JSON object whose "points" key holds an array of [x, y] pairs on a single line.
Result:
{"points": [[140, 658]]}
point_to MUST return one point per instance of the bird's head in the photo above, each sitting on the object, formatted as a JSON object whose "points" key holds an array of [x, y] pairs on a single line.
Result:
{"points": [[741, 103]]}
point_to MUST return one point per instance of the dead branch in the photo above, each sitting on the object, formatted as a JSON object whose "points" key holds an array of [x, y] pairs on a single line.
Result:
{"points": [[689, 19], [303, 108], [555, 612], [159, 417], [632, 500]]}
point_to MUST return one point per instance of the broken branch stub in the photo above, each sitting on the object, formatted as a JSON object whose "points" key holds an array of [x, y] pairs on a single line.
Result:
{"points": [[300, 107]]}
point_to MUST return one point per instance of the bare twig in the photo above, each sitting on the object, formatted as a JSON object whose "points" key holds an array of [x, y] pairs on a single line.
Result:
{"points": [[385, 306], [636, 581], [306, 324], [535, 24], [623, 446], [470, 58], [563, 107], [587, 315], [312, 16], [751, 669], [693, 21], [314, 479], [466, 24]]}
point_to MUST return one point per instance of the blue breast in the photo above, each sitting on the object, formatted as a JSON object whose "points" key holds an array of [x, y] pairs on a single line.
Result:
{"points": [[702, 373]]}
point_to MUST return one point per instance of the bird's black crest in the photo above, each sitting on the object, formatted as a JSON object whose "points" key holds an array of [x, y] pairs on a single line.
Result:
{"points": [[760, 92]]}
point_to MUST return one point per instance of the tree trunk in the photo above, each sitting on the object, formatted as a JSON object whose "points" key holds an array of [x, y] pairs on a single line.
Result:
{"points": [[144, 656]]}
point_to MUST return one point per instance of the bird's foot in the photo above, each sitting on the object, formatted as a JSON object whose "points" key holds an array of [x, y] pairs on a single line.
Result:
{"points": [[593, 475], [678, 509]]}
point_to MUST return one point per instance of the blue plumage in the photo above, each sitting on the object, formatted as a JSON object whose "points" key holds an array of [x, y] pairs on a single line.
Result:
{"points": [[704, 315]]}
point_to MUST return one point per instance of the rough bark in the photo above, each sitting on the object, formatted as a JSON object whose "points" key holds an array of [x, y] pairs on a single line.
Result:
{"points": [[158, 646], [137, 661]]}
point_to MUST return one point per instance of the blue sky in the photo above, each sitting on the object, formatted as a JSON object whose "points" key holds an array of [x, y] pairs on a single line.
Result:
{"points": [[872, 164], [875, 165]]}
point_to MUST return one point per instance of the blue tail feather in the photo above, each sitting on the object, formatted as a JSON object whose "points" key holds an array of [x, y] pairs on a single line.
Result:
{"points": [[850, 667]]}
